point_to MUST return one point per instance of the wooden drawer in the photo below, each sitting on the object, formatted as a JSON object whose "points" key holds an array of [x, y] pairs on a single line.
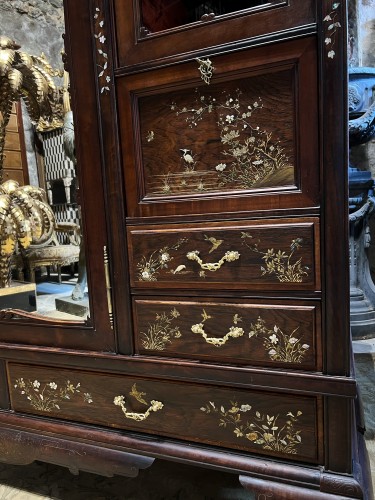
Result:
{"points": [[260, 422], [268, 255], [139, 26], [247, 141], [256, 333]]}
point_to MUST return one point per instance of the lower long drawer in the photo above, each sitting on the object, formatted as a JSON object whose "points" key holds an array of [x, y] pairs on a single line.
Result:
{"points": [[266, 423], [255, 332]]}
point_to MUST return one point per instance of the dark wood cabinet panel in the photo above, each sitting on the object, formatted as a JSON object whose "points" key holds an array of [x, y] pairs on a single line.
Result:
{"points": [[138, 48], [263, 423], [212, 156], [238, 332], [264, 254], [247, 141], [161, 15]]}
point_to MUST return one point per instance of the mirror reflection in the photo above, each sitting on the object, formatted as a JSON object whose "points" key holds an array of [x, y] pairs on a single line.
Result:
{"points": [[162, 15], [42, 257]]}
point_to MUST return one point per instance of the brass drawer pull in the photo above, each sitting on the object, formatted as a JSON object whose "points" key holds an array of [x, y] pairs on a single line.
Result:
{"points": [[229, 256], [234, 332], [138, 395]]}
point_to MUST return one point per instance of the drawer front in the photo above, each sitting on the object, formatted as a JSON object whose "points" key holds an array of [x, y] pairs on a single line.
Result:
{"points": [[266, 255], [260, 334], [259, 422]]}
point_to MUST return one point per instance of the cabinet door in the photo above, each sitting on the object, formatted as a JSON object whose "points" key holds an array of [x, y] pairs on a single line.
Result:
{"points": [[23, 321], [244, 138], [150, 33]]}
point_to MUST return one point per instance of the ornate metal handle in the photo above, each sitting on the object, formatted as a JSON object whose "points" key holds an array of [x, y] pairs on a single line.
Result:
{"points": [[139, 417], [206, 69], [234, 332], [213, 266]]}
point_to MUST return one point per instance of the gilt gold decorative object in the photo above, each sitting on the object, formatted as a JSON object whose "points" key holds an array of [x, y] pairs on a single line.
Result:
{"points": [[24, 219], [31, 78], [206, 69], [138, 417], [229, 256]]}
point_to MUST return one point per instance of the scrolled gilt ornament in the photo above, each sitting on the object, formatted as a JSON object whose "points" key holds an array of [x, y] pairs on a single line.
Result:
{"points": [[229, 256], [206, 69], [234, 332], [138, 417]]}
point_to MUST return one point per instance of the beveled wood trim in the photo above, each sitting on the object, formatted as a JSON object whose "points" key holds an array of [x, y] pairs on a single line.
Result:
{"points": [[338, 443], [113, 184], [179, 370], [334, 190]]}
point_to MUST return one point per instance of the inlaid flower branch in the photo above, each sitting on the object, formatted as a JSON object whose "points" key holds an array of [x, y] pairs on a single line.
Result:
{"points": [[102, 55], [153, 406], [161, 333], [331, 27], [149, 267], [281, 346], [49, 396], [269, 432], [279, 263]]}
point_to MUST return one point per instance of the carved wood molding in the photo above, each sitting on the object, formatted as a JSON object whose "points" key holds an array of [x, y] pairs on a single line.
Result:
{"points": [[340, 487], [22, 448], [34, 318]]}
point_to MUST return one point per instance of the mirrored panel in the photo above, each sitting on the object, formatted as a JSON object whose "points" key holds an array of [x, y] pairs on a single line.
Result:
{"points": [[162, 15], [42, 259]]}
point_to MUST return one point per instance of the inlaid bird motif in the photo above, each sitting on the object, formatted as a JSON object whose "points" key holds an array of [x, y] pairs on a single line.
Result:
{"points": [[214, 242], [188, 159]]}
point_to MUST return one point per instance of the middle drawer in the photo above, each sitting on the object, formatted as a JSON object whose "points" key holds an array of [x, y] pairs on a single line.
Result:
{"points": [[267, 254], [276, 334]]}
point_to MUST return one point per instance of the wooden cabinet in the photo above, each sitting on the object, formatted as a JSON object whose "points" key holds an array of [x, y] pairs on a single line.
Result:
{"points": [[15, 151], [212, 154]]}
